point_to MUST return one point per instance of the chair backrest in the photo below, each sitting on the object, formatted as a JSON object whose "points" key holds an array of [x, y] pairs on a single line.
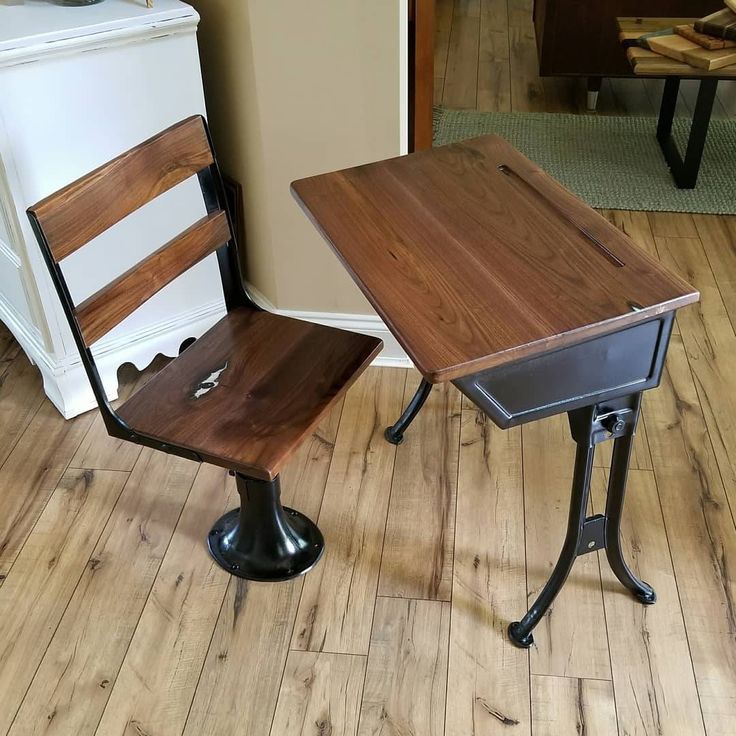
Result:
{"points": [[70, 218]]}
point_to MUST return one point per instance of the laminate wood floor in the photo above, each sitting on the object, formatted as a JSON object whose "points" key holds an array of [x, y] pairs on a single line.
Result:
{"points": [[486, 59], [114, 620]]}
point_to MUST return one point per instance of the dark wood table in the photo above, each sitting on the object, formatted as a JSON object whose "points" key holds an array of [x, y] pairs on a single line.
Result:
{"points": [[493, 276], [645, 63]]}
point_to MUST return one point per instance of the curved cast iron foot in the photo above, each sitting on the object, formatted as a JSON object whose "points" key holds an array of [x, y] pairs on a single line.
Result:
{"points": [[392, 436], [642, 591], [395, 433], [647, 597], [262, 540], [518, 637]]}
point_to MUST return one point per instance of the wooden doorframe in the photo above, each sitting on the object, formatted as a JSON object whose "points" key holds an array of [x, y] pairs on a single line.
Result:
{"points": [[421, 73]]}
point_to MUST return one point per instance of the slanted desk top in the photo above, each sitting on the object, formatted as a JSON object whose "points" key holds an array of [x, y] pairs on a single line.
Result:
{"points": [[475, 258]]}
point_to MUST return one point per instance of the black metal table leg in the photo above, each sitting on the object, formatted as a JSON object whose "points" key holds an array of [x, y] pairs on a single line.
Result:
{"points": [[395, 433], [520, 632], [589, 426], [685, 171], [262, 540], [614, 510]]}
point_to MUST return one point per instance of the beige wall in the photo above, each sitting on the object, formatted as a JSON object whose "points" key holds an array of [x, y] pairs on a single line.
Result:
{"points": [[294, 88]]}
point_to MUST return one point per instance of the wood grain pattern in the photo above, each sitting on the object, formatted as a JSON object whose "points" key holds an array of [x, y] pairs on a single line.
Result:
{"points": [[256, 620], [650, 64], [42, 581], [30, 474], [153, 691], [21, 396], [564, 705], [461, 73], [701, 534], [109, 306], [527, 87], [407, 668], [87, 207], [101, 451], [453, 229], [274, 378], [73, 682], [417, 550], [240, 680], [320, 694], [618, 95], [718, 236], [489, 675], [568, 639], [494, 72], [710, 343], [650, 658], [336, 607], [422, 26]]}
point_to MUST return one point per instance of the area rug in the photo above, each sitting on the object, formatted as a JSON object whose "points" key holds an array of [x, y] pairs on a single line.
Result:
{"points": [[610, 162]]}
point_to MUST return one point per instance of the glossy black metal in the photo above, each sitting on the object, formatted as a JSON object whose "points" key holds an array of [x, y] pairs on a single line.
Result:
{"points": [[395, 433], [591, 372], [520, 632], [685, 170], [262, 540], [614, 510], [616, 420]]}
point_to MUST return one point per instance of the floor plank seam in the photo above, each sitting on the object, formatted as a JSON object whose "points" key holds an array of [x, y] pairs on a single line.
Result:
{"points": [[679, 597], [83, 567], [148, 595]]}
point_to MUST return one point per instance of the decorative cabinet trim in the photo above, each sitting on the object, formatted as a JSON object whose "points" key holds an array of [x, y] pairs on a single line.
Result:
{"points": [[101, 40]]}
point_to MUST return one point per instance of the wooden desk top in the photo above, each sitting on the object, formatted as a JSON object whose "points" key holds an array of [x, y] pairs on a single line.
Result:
{"points": [[475, 258]]}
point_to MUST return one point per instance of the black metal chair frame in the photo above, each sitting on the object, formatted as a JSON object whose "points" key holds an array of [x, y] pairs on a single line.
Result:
{"points": [[261, 540]]}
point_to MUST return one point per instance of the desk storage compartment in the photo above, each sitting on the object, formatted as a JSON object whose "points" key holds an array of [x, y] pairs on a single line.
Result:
{"points": [[616, 364]]}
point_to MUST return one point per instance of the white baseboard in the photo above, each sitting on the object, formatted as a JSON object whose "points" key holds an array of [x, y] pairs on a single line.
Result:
{"points": [[64, 379], [392, 355]]}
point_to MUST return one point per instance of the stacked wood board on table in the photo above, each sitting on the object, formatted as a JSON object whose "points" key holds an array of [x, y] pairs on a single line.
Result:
{"points": [[681, 46]]}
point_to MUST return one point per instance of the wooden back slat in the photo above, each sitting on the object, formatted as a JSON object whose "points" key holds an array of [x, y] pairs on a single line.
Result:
{"points": [[82, 210], [109, 306]]}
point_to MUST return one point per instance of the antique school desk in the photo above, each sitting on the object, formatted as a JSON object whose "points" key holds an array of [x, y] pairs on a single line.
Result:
{"points": [[493, 276]]}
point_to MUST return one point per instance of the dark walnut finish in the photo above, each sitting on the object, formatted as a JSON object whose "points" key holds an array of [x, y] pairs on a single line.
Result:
{"points": [[87, 207], [243, 395], [475, 258], [250, 389], [105, 309]]}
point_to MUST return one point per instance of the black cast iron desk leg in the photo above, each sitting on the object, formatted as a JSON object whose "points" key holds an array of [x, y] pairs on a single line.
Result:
{"points": [[685, 171], [602, 530], [395, 433]]}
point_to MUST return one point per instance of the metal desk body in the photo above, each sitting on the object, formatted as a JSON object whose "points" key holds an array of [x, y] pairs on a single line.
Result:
{"points": [[493, 276]]}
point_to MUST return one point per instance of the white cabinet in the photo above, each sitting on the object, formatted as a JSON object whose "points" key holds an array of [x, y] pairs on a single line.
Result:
{"points": [[78, 86]]}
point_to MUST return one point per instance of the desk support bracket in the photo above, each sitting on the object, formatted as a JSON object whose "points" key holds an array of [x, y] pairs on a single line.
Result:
{"points": [[589, 426]]}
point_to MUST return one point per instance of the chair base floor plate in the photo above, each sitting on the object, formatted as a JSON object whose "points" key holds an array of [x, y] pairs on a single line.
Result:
{"points": [[305, 546]]}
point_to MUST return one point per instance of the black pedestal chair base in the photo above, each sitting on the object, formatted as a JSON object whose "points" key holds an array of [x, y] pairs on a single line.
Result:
{"points": [[262, 540]]}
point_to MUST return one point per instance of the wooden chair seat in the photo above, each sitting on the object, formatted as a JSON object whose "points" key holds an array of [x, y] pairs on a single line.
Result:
{"points": [[250, 389], [247, 392]]}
